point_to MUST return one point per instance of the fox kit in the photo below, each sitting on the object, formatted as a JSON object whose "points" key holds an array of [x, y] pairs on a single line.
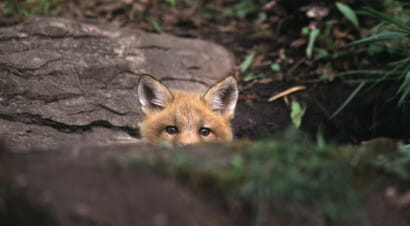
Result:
{"points": [[179, 117]]}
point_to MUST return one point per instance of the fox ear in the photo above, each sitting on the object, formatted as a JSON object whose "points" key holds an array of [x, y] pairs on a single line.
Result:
{"points": [[222, 96], [152, 94]]}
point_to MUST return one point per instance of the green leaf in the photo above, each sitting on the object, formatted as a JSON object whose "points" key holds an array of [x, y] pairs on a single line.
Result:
{"points": [[251, 76], [155, 25], [404, 88], [312, 38], [275, 67], [237, 161], [305, 31], [171, 2], [211, 10], [348, 13], [386, 35], [243, 8], [350, 98], [248, 61], [387, 18], [321, 53], [297, 112]]}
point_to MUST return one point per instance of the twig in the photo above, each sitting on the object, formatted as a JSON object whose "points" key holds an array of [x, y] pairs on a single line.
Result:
{"points": [[286, 92], [293, 68], [77, 78]]}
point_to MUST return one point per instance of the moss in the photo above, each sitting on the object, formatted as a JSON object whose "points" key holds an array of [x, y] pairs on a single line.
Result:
{"points": [[290, 172]]}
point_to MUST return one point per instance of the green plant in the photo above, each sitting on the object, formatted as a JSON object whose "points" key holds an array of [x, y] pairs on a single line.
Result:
{"points": [[313, 35], [28, 8], [247, 62], [155, 25], [394, 32], [292, 173], [348, 12], [297, 112], [244, 7], [396, 163], [287, 172], [246, 65]]}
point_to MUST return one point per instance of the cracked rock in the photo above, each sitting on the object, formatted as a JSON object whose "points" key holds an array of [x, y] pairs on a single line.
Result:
{"points": [[62, 80]]}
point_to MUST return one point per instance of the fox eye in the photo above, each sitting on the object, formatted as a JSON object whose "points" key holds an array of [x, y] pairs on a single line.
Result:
{"points": [[204, 131], [171, 129]]}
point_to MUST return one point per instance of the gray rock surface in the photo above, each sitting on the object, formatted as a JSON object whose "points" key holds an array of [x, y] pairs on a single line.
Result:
{"points": [[64, 81]]}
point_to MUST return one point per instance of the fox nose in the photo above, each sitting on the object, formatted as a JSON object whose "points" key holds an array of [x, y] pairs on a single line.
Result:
{"points": [[187, 138]]}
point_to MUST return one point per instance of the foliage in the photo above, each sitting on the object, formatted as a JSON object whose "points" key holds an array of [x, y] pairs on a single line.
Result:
{"points": [[378, 154], [348, 12], [394, 35], [244, 7], [294, 171], [313, 35], [247, 62], [290, 173], [155, 25], [28, 8], [297, 112]]}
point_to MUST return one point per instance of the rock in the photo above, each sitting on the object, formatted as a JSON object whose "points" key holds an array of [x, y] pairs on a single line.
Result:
{"points": [[61, 80], [109, 185]]}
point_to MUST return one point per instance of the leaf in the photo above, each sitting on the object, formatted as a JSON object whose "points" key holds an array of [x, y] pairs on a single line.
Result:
{"points": [[211, 10], [305, 30], [242, 8], [171, 2], [237, 161], [348, 13], [404, 88], [247, 62], [321, 53], [387, 18], [349, 99], [312, 38], [275, 67], [386, 35], [155, 25], [297, 112], [251, 76]]}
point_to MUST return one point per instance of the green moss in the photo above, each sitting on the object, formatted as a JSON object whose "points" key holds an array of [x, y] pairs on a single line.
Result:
{"points": [[289, 172]]}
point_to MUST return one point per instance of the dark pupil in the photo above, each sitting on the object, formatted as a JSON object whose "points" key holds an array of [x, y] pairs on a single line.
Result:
{"points": [[171, 129], [204, 131]]}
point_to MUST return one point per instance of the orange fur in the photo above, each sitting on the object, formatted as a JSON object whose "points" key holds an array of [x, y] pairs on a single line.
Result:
{"points": [[188, 112]]}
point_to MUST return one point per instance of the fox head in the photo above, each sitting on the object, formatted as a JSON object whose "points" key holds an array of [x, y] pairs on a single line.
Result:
{"points": [[178, 117]]}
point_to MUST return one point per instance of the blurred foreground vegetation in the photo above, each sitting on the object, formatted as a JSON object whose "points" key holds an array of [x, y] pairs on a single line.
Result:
{"points": [[363, 43], [288, 175], [312, 181]]}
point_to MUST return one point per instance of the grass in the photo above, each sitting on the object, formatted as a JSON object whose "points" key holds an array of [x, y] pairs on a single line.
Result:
{"points": [[393, 34]]}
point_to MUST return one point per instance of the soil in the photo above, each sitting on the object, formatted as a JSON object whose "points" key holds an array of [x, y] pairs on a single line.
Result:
{"points": [[369, 115]]}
